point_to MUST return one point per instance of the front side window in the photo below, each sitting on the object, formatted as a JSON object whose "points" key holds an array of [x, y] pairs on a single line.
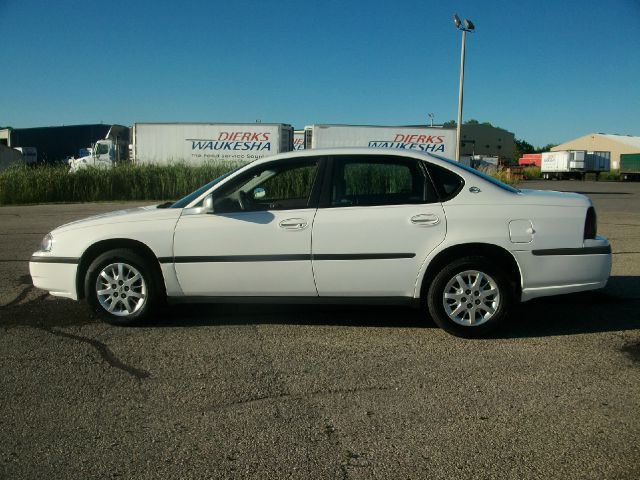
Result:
{"points": [[102, 148], [361, 181], [275, 186]]}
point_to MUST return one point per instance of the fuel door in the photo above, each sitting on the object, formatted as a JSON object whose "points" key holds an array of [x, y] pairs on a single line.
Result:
{"points": [[521, 231]]}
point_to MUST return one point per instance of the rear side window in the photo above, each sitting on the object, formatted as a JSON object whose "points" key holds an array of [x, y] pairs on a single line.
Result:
{"points": [[447, 183], [362, 181]]}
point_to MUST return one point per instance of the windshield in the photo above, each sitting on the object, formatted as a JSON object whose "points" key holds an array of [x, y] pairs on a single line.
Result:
{"points": [[480, 174], [184, 201]]}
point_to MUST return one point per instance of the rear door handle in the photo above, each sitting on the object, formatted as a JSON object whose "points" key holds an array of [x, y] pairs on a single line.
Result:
{"points": [[425, 220], [293, 224]]}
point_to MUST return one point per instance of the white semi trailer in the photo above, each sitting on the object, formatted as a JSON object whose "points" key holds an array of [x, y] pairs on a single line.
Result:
{"points": [[298, 139], [191, 143], [439, 141], [197, 143], [574, 164]]}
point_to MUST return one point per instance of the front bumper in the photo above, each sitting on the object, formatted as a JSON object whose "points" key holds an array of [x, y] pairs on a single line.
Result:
{"points": [[559, 271], [55, 274]]}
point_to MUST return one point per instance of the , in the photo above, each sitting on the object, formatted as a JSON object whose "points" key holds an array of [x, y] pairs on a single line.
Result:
{"points": [[335, 226]]}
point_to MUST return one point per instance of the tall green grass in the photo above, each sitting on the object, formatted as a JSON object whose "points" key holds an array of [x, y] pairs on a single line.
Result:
{"points": [[49, 184], [531, 173], [514, 175]]}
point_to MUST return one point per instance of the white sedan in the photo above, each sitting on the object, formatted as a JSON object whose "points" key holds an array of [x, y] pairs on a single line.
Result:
{"points": [[335, 226]]}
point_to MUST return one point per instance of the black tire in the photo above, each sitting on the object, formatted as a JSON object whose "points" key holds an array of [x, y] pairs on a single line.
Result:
{"points": [[481, 302], [133, 299]]}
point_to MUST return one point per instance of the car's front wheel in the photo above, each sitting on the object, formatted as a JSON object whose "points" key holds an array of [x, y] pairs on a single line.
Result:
{"points": [[121, 287], [469, 297]]}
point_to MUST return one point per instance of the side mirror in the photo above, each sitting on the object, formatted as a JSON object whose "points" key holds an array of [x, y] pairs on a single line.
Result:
{"points": [[207, 204], [259, 193]]}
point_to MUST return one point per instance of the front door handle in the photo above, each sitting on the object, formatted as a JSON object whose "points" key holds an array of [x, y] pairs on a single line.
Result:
{"points": [[425, 220], [293, 224]]}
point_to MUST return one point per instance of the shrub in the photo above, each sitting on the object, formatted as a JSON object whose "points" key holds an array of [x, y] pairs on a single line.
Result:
{"points": [[531, 173], [613, 176]]}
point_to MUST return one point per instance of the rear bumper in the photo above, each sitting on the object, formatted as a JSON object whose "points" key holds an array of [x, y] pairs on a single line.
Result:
{"points": [[55, 274], [565, 270]]}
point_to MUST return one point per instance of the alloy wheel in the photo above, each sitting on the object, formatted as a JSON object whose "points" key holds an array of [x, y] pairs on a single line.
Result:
{"points": [[121, 289], [471, 298]]}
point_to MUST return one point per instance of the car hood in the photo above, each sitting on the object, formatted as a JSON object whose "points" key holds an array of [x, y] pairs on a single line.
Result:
{"points": [[553, 198], [138, 214]]}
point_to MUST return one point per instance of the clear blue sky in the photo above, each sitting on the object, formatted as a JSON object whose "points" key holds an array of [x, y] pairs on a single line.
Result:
{"points": [[549, 71]]}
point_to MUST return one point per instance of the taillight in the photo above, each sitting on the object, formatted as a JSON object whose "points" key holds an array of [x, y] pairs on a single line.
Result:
{"points": [[590, 224]]}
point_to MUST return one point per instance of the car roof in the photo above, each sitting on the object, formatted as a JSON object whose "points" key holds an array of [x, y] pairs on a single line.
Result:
{"points": [[319, 152], [343, 151]]}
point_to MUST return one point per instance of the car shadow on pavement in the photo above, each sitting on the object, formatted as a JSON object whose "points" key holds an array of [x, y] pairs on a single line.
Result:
{"points": [[614, 308], [283, 314]]}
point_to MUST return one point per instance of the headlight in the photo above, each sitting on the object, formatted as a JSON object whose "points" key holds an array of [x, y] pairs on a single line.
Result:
{"points": [[47, 243]]}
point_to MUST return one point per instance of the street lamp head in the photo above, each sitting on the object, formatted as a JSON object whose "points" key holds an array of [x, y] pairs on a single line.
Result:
{"points": [[466, 26]]}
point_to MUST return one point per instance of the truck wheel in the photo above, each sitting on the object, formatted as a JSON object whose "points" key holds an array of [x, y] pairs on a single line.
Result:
{"points": [[122, 288], [469, 297]]}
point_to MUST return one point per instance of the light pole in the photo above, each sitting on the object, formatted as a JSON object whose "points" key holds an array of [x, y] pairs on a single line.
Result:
{"points": [[465, 27]]}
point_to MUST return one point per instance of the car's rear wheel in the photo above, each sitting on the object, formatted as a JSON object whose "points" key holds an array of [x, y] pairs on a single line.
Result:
{"points": [[122, 287], [469, 297]]}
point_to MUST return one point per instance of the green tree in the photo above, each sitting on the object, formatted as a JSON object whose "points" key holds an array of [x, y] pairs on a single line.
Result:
{"points": [[546, 148], [522, 147], [472, 121], [450, 123]]}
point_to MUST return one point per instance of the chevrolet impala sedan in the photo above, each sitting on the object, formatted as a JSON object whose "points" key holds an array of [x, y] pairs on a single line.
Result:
{"points": [[335, 226]]}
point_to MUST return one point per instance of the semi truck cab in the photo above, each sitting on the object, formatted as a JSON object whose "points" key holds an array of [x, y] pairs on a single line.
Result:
{"points": [[105, 153], [102, 155]]}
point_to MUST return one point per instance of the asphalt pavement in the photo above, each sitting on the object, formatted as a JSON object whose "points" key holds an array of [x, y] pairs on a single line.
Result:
{"points": [[303, 392]]}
